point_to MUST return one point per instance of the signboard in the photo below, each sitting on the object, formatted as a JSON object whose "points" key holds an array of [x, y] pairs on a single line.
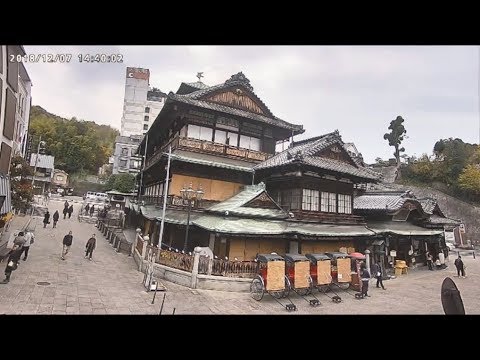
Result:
{"points": [[449, 236], [393, 253], [462, 228], [138, 73]]}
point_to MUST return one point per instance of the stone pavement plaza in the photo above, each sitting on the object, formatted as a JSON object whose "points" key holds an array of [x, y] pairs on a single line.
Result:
{"points": [[111, 284]]}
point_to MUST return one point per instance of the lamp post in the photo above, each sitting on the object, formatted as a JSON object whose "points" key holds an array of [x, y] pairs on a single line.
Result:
{"points": [[190, 195]]}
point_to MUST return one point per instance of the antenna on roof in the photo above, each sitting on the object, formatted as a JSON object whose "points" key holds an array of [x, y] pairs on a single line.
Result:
{"points": [[199, 76]]}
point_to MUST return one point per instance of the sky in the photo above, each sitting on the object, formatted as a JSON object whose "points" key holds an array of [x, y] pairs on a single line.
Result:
{"points": [[355, 89]]}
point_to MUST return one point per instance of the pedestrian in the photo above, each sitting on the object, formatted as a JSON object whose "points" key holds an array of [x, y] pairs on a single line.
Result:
{"points": [[460, 267], [29, 240], [365, 276], [70, 211], [67, 242], [65, 209], [46, 219], [87, 207], [377, 270], [19, 239], [56, 215], [90, 247], [429, 261], [92, 210], [12, 263]]}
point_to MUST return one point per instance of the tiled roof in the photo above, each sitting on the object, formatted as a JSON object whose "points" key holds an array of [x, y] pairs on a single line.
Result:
{"points": [[380, 200], [235, 204], [298, 129], [44, 161], [214, 161], [439, 220], [303, 151], [428, 204], [400, 228], [193, 98]]}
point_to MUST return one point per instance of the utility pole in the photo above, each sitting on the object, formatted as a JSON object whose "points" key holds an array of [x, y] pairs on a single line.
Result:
{"points": [[165, 194]]}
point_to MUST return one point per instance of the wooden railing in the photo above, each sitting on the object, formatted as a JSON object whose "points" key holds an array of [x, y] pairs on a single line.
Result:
{"points": [[176, 260], [220, 267]]}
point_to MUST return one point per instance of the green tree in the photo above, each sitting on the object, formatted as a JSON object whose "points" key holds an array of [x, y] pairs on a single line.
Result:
{"points": [[396, 136], [469, 179], [78, 146], [121, 182], [22, 193]]}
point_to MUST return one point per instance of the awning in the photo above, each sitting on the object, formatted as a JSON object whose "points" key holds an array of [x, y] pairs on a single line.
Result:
{"points": [[328, 229], [401, 228]]}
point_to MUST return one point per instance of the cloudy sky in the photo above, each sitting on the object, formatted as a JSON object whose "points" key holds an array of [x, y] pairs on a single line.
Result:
{"points": [[357, 90]]}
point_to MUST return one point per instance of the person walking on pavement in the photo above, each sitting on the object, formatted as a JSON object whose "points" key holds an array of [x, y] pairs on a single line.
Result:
{"points": [[67, 242], [429, 261], [46, 219], [377, 270], [460, 266], [87, 207], [90, 247], [29, 240], [56, 215], [19, 239], [12, 263], [65, 209], [365, 276], [92, 210], [70, 211]]}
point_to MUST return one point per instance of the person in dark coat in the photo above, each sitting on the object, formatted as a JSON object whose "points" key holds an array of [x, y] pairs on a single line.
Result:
{"points": [[92, 210], [87, 207], [12, 263], [56, 215], [365, 276], [70, 211], [90, 247], [377, 271], [460, 266], [67, 242], [65, 212], [46, 219]]}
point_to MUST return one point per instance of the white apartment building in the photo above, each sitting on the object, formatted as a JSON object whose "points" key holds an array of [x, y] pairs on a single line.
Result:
{"points": [[141, 104]]}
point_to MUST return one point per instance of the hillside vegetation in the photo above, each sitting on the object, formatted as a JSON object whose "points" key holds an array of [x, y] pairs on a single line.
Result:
{"points": [[79, 146]]}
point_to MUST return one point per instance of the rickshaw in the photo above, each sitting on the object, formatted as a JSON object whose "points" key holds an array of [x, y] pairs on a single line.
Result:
{"points": [[271, 278], [341, 265], [297, 269], [357, 259], [321, 274]]}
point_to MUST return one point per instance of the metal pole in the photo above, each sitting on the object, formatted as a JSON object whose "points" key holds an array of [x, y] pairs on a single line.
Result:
{"points": [[143, 167], [165, 194], [188, 225], [161, 307], [36, 161]]}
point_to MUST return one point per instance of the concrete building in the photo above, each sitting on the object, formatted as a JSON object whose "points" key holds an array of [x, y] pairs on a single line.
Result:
{"points": [[141, 104], [125, 158], [44, 172], [15, 98]]}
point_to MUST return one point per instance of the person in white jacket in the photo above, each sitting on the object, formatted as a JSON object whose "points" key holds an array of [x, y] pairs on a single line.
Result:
{"points": [[29, 239]]}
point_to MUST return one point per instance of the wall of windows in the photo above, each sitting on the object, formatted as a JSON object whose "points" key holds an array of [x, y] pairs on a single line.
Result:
{"points": [[199, 132], [222, 136], [344, 204], [313, 200]]}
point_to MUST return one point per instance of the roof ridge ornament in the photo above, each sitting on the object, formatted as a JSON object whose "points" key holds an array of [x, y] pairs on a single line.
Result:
{"points": [[239, 78]]}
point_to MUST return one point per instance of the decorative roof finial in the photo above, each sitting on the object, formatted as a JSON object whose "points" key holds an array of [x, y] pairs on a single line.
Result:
{"points": [[240, 78], [199, 76]]}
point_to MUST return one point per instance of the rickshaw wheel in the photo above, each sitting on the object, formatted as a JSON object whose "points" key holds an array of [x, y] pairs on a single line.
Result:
{"points": [[323, 288], [288, 286], [257, 289], [343, 286]]}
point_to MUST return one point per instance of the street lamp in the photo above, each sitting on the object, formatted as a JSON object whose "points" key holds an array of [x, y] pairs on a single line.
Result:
{"points": [[190, 195]]}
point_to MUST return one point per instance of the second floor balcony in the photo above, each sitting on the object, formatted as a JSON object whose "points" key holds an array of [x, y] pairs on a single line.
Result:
{"points": [[207, 147]]}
